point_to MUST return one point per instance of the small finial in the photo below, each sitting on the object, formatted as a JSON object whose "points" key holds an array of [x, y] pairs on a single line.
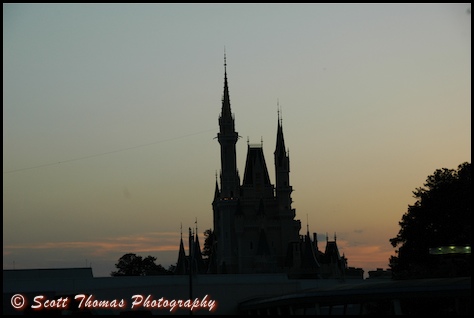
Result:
{"points": [[248, 141], [261, 141], [225, 59], [278, 110], [280, 119]]}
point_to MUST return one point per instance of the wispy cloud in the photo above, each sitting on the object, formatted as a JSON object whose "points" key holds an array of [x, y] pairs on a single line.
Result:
{"points": [[366, 256], [360, 254], [102, 253], [146, 242]]}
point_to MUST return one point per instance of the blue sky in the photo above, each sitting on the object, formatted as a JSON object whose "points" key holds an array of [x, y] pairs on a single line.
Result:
{"points": [[110, 113]]}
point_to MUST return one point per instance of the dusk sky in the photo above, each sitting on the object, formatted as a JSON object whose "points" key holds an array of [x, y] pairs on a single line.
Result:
{"points": [[110, 113]]}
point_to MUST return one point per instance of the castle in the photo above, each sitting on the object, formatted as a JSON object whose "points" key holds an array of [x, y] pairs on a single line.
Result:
{"points": [[255, 230]]}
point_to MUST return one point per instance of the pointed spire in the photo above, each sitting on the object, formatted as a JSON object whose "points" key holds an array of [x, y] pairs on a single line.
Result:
{"points": [[278, 109], [309, 259], [181, 264], [279, 113], [225, 63], [225, 99], [280, 151], [225, 69], [198, 263]]}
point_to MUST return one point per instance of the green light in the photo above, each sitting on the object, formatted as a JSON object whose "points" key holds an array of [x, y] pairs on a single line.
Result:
{"points": [[442, 250]]}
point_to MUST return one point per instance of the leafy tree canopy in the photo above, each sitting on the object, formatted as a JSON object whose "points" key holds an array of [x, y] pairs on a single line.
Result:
{"points": [[133, 265], [209, 240], [441, 216]]}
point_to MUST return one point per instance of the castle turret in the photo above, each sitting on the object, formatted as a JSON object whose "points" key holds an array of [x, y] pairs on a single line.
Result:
{"points": [[225, 204], [227, 138], [282, 174], [290, 228]]}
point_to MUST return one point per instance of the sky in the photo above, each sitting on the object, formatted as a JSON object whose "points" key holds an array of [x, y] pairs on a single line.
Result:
{"points": [[110, 113]]}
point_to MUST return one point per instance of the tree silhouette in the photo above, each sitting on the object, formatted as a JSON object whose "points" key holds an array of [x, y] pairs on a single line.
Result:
{"points": [[441, 216], [133, 265], [209, 240], [209, 251]]}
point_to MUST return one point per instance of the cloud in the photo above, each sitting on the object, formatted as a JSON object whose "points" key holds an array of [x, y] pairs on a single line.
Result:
{"points": [[102, 253], [147, 242], [163, 245], [366, 256]]}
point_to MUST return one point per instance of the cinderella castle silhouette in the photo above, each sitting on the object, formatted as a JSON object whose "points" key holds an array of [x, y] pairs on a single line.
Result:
{"points": [[255, 230]]}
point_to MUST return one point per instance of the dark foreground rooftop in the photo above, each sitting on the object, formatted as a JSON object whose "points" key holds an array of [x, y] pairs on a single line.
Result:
{"points": [[442, 295]]}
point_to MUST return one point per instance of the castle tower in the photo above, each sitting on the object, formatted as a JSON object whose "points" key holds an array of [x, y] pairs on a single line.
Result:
{"points": [[254, 222], [289, 227], [225, 204], [255, 230], [227, 138]]}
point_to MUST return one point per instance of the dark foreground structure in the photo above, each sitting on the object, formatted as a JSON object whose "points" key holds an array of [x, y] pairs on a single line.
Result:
{"points": [[228, 294], [440, 296]]}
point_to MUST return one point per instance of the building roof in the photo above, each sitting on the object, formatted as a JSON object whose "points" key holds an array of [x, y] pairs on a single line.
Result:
{"points": [[255, 167]]}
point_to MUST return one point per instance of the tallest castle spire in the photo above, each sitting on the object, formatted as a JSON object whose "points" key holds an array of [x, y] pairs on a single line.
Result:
{"points": [[227, 137], [225, 98], [225, 204]]}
